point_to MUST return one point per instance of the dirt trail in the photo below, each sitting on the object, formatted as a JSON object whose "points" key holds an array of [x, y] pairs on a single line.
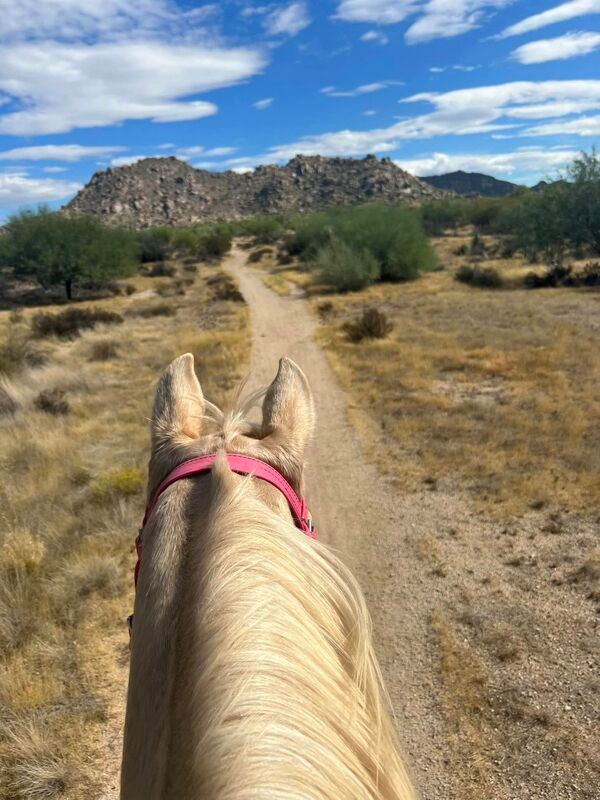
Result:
{"points": [[358, 513]]}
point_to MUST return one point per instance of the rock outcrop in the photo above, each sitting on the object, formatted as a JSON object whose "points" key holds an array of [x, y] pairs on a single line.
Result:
{"points": [[166, 191]]}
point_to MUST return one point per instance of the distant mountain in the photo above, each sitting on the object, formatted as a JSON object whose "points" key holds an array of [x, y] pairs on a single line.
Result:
{"points": [[471, 183], [166, 191]]}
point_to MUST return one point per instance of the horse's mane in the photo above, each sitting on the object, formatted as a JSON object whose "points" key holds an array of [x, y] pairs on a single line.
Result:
{"points": [[286, 665], [273, 667]]}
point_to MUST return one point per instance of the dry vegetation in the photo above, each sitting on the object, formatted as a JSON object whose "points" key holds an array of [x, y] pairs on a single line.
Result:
{"points": [[73, 438], [484, 403]]}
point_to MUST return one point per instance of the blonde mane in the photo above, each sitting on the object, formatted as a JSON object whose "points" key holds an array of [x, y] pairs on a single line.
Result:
{"points": [[253, 672]]}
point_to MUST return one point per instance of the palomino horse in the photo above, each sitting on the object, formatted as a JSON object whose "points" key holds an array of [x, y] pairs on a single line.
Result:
{"points": [[252, 670]]}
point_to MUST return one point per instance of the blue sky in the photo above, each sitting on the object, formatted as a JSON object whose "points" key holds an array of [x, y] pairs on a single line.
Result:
{"points": [[506, 87]]}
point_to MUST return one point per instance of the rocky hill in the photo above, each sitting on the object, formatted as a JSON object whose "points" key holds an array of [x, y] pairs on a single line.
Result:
{"points": [[166, 191], [470, 184]]}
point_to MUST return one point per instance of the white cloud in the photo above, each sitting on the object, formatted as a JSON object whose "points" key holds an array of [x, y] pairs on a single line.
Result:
{"points": [[54, 170], [375, 36], [62, 88], [561, 13], [529, 160], [124, 161], [382, 12], [18, 189], [481, 109], [56, 152], [365, 88], [583, 126], [262, 104], [562, 47], [220, 151], [287, 21], [437, 19], [443, 19], [456, 67], [369, 113], [92, 20]]}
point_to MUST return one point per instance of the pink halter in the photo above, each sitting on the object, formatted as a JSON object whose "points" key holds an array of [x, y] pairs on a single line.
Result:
{"points": [[242, 465]]}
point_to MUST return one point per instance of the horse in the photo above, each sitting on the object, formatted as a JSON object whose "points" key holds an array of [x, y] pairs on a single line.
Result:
{"points": [[252, 671]]}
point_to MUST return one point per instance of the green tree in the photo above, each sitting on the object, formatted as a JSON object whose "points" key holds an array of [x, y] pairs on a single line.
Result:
{"points": [[53, 249], [583, 205]]}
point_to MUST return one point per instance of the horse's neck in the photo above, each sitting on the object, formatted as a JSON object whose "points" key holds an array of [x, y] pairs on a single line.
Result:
{"points": [[244, 669]]}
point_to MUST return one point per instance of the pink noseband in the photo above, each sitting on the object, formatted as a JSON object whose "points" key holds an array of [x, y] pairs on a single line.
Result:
{"points": [[242, 465]]}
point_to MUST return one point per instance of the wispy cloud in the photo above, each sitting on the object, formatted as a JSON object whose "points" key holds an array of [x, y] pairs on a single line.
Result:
{"points": [[561, 13], [455, 67], [521, 160], [365, 88], [484, 109], [583, 126], [57, 152], [82, 86], [265, 103], [18, 189], [569, 45], [375, 36], [436, 19], [287, 21]]}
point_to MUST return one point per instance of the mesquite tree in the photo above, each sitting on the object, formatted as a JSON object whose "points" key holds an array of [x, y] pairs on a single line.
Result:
{"points": [[57, 250]]}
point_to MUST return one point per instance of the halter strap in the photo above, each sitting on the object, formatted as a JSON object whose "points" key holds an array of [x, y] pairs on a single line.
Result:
{"points": [[242, 465]]}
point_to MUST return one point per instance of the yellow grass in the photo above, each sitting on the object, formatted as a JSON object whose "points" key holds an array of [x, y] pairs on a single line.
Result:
{"points": [[71, 496], [493, 392]]}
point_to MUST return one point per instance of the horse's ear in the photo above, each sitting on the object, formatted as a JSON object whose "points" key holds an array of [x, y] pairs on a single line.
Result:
{"points": [[178, 403], [288, 411]]}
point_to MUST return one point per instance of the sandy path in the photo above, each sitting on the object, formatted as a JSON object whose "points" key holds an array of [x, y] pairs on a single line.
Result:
{"points": [[373, 537]]}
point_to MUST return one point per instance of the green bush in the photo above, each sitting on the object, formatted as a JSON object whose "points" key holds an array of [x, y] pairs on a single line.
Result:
{"points": [[155, 244], [370, 242], [344, 268], [264, 229], [69, 323], [441, 215], [214, 241], [54, 249]]}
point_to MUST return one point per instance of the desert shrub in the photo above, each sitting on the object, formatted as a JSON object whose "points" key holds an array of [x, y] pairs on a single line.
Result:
{"points": [[52, 401], [155, 244], [264, 229], [325, 309], [96, 574], [69, 323], [484, 212], [57, 250], [258, 255], [461, 250], [440, 215], [372, 324], [130, 289], [155, 310], [483, 277], [214, 241], [590, 275], [477, 247], [184, 242], [190, 267], [223, 287], [104, 350], [345, 269], [386, 243], [161, 270], [560, 275]]}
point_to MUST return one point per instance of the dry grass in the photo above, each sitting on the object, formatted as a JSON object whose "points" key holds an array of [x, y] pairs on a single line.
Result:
{"points": [[493, 392], [71, 496]]}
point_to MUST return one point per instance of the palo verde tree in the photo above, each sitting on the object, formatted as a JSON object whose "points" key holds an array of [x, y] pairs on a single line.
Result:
{"points": [[57, 250]]}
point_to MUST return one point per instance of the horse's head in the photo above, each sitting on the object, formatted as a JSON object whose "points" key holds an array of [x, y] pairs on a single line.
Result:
{"points": [[183, 423]]}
